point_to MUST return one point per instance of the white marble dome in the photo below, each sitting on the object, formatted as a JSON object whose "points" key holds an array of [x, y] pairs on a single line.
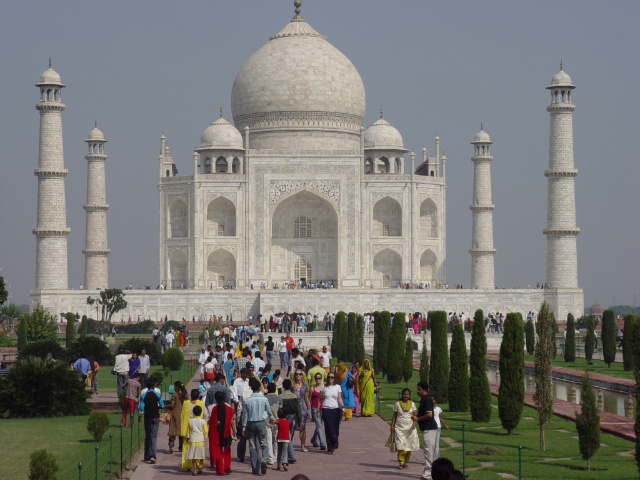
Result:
{"points": [[561, 79], [482, 137], [298, 81], [221, 135], [383, 136], [50, 77], [96, 135]]}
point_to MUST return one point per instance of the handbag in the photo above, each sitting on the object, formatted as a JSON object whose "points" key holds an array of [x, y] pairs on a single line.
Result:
{"points": [[391, 443], [165, 417]]}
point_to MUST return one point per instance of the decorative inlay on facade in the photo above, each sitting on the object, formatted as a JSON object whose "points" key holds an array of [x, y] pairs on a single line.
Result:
{"points": [[282, 188], [333, 120], [375, 249], [209, 248], [173, 196], [378, 196], [233, 196], [180, 248]]}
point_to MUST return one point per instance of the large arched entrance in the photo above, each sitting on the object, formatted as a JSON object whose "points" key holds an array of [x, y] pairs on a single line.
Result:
{"points": [[304, 239]]}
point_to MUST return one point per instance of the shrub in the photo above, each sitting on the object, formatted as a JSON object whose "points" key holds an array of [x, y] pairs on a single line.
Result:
{"points": [[590, 338], [570, 341], [38, 388], [459, 372], [407, 366], [93, 347], [170, 324], [145, 326], [5, 341], [42, 348], [395, 352], [588, 421], [382, 329], [484, 452], [138, 344], [631, 326], [530, 337], [439, 370], [609, 332], [424, 361], [158, 376], [166, 371], [350, 353], [40, 325], [511, 393], [97, 425], [172, 358], [42, 465], [479, 389], [110, 341]]}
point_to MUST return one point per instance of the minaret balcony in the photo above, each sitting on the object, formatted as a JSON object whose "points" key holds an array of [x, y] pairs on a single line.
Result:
{"points": [[561, 231], [95, 208], [47, 105], [482, 208], [569, 172], [51, 232], [45, 172]]}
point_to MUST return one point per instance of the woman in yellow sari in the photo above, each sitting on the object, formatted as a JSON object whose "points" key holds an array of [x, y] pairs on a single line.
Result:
{"points": [[187, 414], [367, 385]]}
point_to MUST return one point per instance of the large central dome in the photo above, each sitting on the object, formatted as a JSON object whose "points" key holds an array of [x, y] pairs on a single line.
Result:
{"points": [[298, 82]]}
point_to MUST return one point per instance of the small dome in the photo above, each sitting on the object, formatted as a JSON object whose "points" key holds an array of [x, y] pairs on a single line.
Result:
{"points": [[96, 135], [482, 137], [561, 79], [383, 136], [596, 310], [221, 135], [50, 77]]}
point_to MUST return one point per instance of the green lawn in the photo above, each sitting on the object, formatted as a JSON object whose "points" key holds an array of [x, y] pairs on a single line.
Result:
{"points": [[561, 460], [598, 366]]}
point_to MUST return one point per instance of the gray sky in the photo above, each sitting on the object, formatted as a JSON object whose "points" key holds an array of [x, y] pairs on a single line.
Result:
{"points": [[143, 68]]}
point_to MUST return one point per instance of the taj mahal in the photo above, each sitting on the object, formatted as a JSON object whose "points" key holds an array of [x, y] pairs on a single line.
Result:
{"points": [[294, 190]]}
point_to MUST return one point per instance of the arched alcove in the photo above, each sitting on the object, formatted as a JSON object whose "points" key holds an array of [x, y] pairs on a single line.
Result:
{"points": [[221, 218], [387, 218], [221, 268], [383, 165], [387, 268], [178, 219], [222, 166], [368, 166], [429, 267], [178, 269], [428, 219]]}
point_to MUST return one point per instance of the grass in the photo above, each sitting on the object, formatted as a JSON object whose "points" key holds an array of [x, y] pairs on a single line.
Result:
{"points": [[561, 460], [598, 366]]}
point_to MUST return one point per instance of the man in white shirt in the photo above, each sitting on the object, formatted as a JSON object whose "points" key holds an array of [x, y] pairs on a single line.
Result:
{"points": [[202, 359], [121, 368], [169, 338], [145, 364], [325, 357], [296, 356]]}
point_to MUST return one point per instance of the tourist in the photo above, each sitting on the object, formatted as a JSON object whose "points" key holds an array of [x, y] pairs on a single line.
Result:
{"points": [[121, 368], [188, 412], [132, 388], [82, 366], [134, 365], [346, 381], [404, 428], [219, 385], [442, 469], [202, 359], [282, 350], [269, 348], [367, 387], [290, 343], [230, 369], [356, 399], [222, 431], [331, 408], [284, 440], [150, 404], [240, 386], [437, 415], [209, 369], [197, 431], [291, 407], [301, 390], [145, 364], [175, 407], [314, 370], [296, 356], [275, 402], [169, 337], [428, 427], [255, 413], [95, 367], [325, 358], [316, 412]]}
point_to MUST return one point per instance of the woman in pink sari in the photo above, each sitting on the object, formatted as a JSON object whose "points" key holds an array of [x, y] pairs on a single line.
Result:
{"points": [[354, 372], [416, 324]]}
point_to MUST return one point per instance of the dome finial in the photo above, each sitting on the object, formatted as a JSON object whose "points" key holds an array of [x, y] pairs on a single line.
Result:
{"points": [[49, 62], [220, 111], [481, 126], [560, 65], [381, 112], [297, 4], [95, 123]]}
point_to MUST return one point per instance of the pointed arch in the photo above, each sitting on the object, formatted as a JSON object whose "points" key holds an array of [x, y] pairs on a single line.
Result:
{"points": [[368, 166], [222, 166], [236, 165], [221, 268], [383, 165], [387, 268], [178, 269], [178, 219], [428, 219], [429, 267], [302, 270], [221, 218], [207, 165], [387, 218]]}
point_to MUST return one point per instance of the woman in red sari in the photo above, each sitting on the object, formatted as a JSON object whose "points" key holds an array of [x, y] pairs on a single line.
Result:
{"points": [[222, 430]]}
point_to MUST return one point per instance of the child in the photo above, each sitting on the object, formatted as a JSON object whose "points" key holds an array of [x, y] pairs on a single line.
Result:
{"points": [[131, 390], [197, 431], [437, 411], [283, 440]]}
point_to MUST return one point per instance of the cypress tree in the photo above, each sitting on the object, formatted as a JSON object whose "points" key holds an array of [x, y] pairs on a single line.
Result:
{"points": [[628, 345], [22, 331], [424, 361], [339, 339], [511, 394], [359, 348], [383, 330], [439, 370], [555, 337], [590, 338], [70, 333], [588, 421], [376, 341], [83, 326], [459, 372], [479, 389], [543, 397], [395, 356], [609, 332], [570, 341], [407, 367], [530, 337], [350, 354]]}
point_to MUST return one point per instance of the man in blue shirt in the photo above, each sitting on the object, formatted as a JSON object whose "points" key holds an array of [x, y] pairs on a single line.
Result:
{"points": [[255, 413], [150, 404], [82, 365]]}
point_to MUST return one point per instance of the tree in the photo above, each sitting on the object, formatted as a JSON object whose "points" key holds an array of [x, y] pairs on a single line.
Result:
{"points": [[631, 325], [350, 353], [570, 340], [70, 333], [511, 393], [459, 372], [479, 389], [530, 337], [555, 338], [382, 330], [439, 371], [22, 334], [588, 421], [543, 397], [84, 324], [359, 352], [396, 348], [4, 293], [407, 366], [40, 325], [9, 315], [424, 361], [339, 339], [590, 338], [609, 332], [110, 301]]}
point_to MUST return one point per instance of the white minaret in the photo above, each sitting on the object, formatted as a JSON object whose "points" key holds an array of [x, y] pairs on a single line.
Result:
{"points": [[51, 231], [561, 231], [482, 251], [96, 267]]}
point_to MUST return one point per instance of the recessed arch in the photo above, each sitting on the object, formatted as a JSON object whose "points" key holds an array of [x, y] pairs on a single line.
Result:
{"points": [[383, 165], [387, 218], [207, 165], [178, 269], [428, 219], [222, 166], [221, 218], [387, 268], [178, 218], [368, 166], [221, 268], [429, 267]]}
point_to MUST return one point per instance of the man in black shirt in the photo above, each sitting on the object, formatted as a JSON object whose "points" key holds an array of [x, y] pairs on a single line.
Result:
{"points": [[428, 427], [269, 346], [150, 404]]}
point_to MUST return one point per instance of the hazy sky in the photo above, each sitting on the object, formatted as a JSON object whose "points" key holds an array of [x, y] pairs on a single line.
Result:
{"points": [[142, 68]]}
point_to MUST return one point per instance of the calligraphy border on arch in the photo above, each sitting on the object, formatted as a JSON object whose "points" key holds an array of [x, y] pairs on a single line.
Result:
{"points": [[279, 189]]}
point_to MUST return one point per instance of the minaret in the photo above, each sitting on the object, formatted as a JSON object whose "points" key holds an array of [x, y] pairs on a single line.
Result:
{"points": [[561, 231], [482, 251], [51, 231], [96, 268]]}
